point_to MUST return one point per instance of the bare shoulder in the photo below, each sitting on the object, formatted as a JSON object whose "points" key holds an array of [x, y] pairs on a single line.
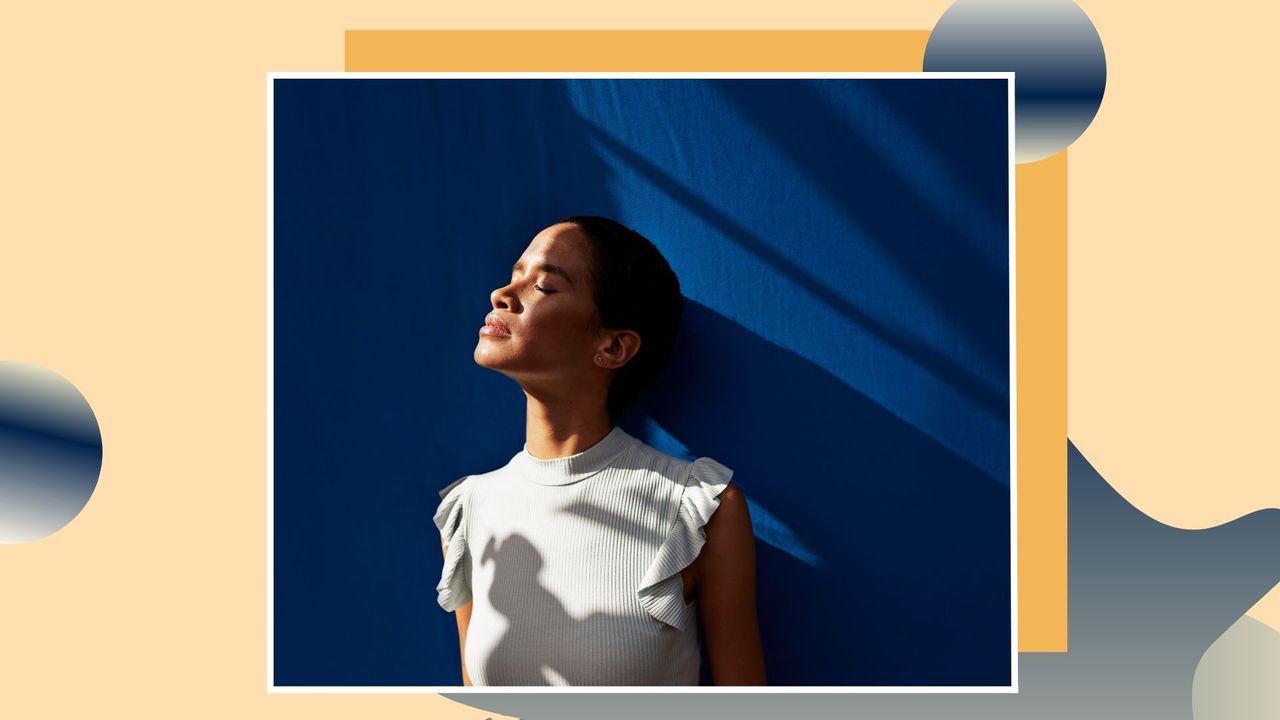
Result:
{"points": [[729, 537], [732, 510]]}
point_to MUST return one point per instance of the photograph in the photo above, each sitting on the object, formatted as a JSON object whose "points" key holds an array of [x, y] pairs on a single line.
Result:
{"points": [[643, 380]]}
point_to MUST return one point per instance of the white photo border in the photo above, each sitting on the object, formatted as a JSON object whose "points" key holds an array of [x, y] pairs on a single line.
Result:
{"points": [[1012, 688]]}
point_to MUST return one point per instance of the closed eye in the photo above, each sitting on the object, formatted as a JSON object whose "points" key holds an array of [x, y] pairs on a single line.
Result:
{"points": [[547, 291]]}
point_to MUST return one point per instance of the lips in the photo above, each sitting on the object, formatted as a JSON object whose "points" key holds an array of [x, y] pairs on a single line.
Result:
{"points": [[498, 327]]}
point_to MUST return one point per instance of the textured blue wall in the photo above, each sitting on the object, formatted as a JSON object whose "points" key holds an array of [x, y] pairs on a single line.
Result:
{"points": [[843, 249]]}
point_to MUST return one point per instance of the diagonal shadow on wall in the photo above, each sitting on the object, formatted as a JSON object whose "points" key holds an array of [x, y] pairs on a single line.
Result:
{"points": [[850, 167], [962, 379]]}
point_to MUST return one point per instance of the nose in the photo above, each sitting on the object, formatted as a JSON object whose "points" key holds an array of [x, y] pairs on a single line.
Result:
{"points": [[505, 298]]}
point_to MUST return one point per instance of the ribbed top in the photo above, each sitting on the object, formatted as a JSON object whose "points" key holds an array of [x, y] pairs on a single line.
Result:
{"points": [[572, 468], [573, 565]]}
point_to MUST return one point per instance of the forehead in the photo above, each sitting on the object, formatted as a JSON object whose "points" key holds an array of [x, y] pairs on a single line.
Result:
{"points": [[561, 245]]}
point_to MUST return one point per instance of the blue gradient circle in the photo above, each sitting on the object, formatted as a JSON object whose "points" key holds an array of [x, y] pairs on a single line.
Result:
{"points": [[1052, 47], [50, 452]]}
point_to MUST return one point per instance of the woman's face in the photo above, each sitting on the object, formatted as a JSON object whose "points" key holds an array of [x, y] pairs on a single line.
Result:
{"points": [[544, 325]]}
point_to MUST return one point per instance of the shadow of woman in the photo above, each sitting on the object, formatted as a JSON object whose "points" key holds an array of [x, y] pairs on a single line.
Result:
{"points": [[543, 643]]}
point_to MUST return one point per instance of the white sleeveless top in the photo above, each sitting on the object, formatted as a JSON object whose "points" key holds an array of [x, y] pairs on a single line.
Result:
{"points": [[572, 565]]}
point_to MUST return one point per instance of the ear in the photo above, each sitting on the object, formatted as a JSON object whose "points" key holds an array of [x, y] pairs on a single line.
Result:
{"points": [[621, 346]]}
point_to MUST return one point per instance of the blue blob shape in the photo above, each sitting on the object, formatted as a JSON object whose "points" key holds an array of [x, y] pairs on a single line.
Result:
{"points": [[50, 452], [1053, 49]]}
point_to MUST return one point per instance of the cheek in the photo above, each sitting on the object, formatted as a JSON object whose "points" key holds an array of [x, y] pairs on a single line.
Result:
{"points": [[562, 332]]}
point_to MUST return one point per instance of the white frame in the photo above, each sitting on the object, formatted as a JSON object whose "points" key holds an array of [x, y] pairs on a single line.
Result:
{"points": [[1012, 688]]}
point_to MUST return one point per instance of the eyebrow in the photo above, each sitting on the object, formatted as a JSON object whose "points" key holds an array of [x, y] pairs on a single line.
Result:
{"points": [[553, 269]]}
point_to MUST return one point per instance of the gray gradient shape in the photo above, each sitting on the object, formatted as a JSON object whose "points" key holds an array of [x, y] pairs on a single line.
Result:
{"points": [[1239, 675], [1146, 600], [1053, 49], [50, 452]]}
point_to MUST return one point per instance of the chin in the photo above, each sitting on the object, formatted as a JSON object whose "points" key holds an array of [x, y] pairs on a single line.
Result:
{"points": [[485, 358]]}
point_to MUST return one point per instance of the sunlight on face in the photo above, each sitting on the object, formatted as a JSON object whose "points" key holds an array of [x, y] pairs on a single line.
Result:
{"points": [[544, 322]]}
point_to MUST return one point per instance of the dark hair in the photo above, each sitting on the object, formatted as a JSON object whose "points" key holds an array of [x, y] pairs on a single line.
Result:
{"points": [[634, 289]]}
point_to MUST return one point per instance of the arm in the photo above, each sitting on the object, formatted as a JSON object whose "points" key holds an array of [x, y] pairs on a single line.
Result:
{"points": [[726, 582], [463, 615]]}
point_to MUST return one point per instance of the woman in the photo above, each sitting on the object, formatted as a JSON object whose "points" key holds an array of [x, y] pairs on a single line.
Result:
{"points": [[591, 558]]}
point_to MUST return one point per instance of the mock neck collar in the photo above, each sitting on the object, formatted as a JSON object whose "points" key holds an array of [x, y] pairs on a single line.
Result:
{"points": [[572, 468]]}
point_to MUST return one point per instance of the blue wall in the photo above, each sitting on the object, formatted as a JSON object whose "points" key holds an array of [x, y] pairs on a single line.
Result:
{"points": [[843, 249]]}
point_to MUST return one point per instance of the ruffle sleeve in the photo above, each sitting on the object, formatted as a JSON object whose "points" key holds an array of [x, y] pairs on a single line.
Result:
{"points": [[454, 588], [662, 589]]}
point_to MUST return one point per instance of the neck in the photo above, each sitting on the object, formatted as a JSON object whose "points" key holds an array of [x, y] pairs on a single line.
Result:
{"points": [[563, 425]]}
